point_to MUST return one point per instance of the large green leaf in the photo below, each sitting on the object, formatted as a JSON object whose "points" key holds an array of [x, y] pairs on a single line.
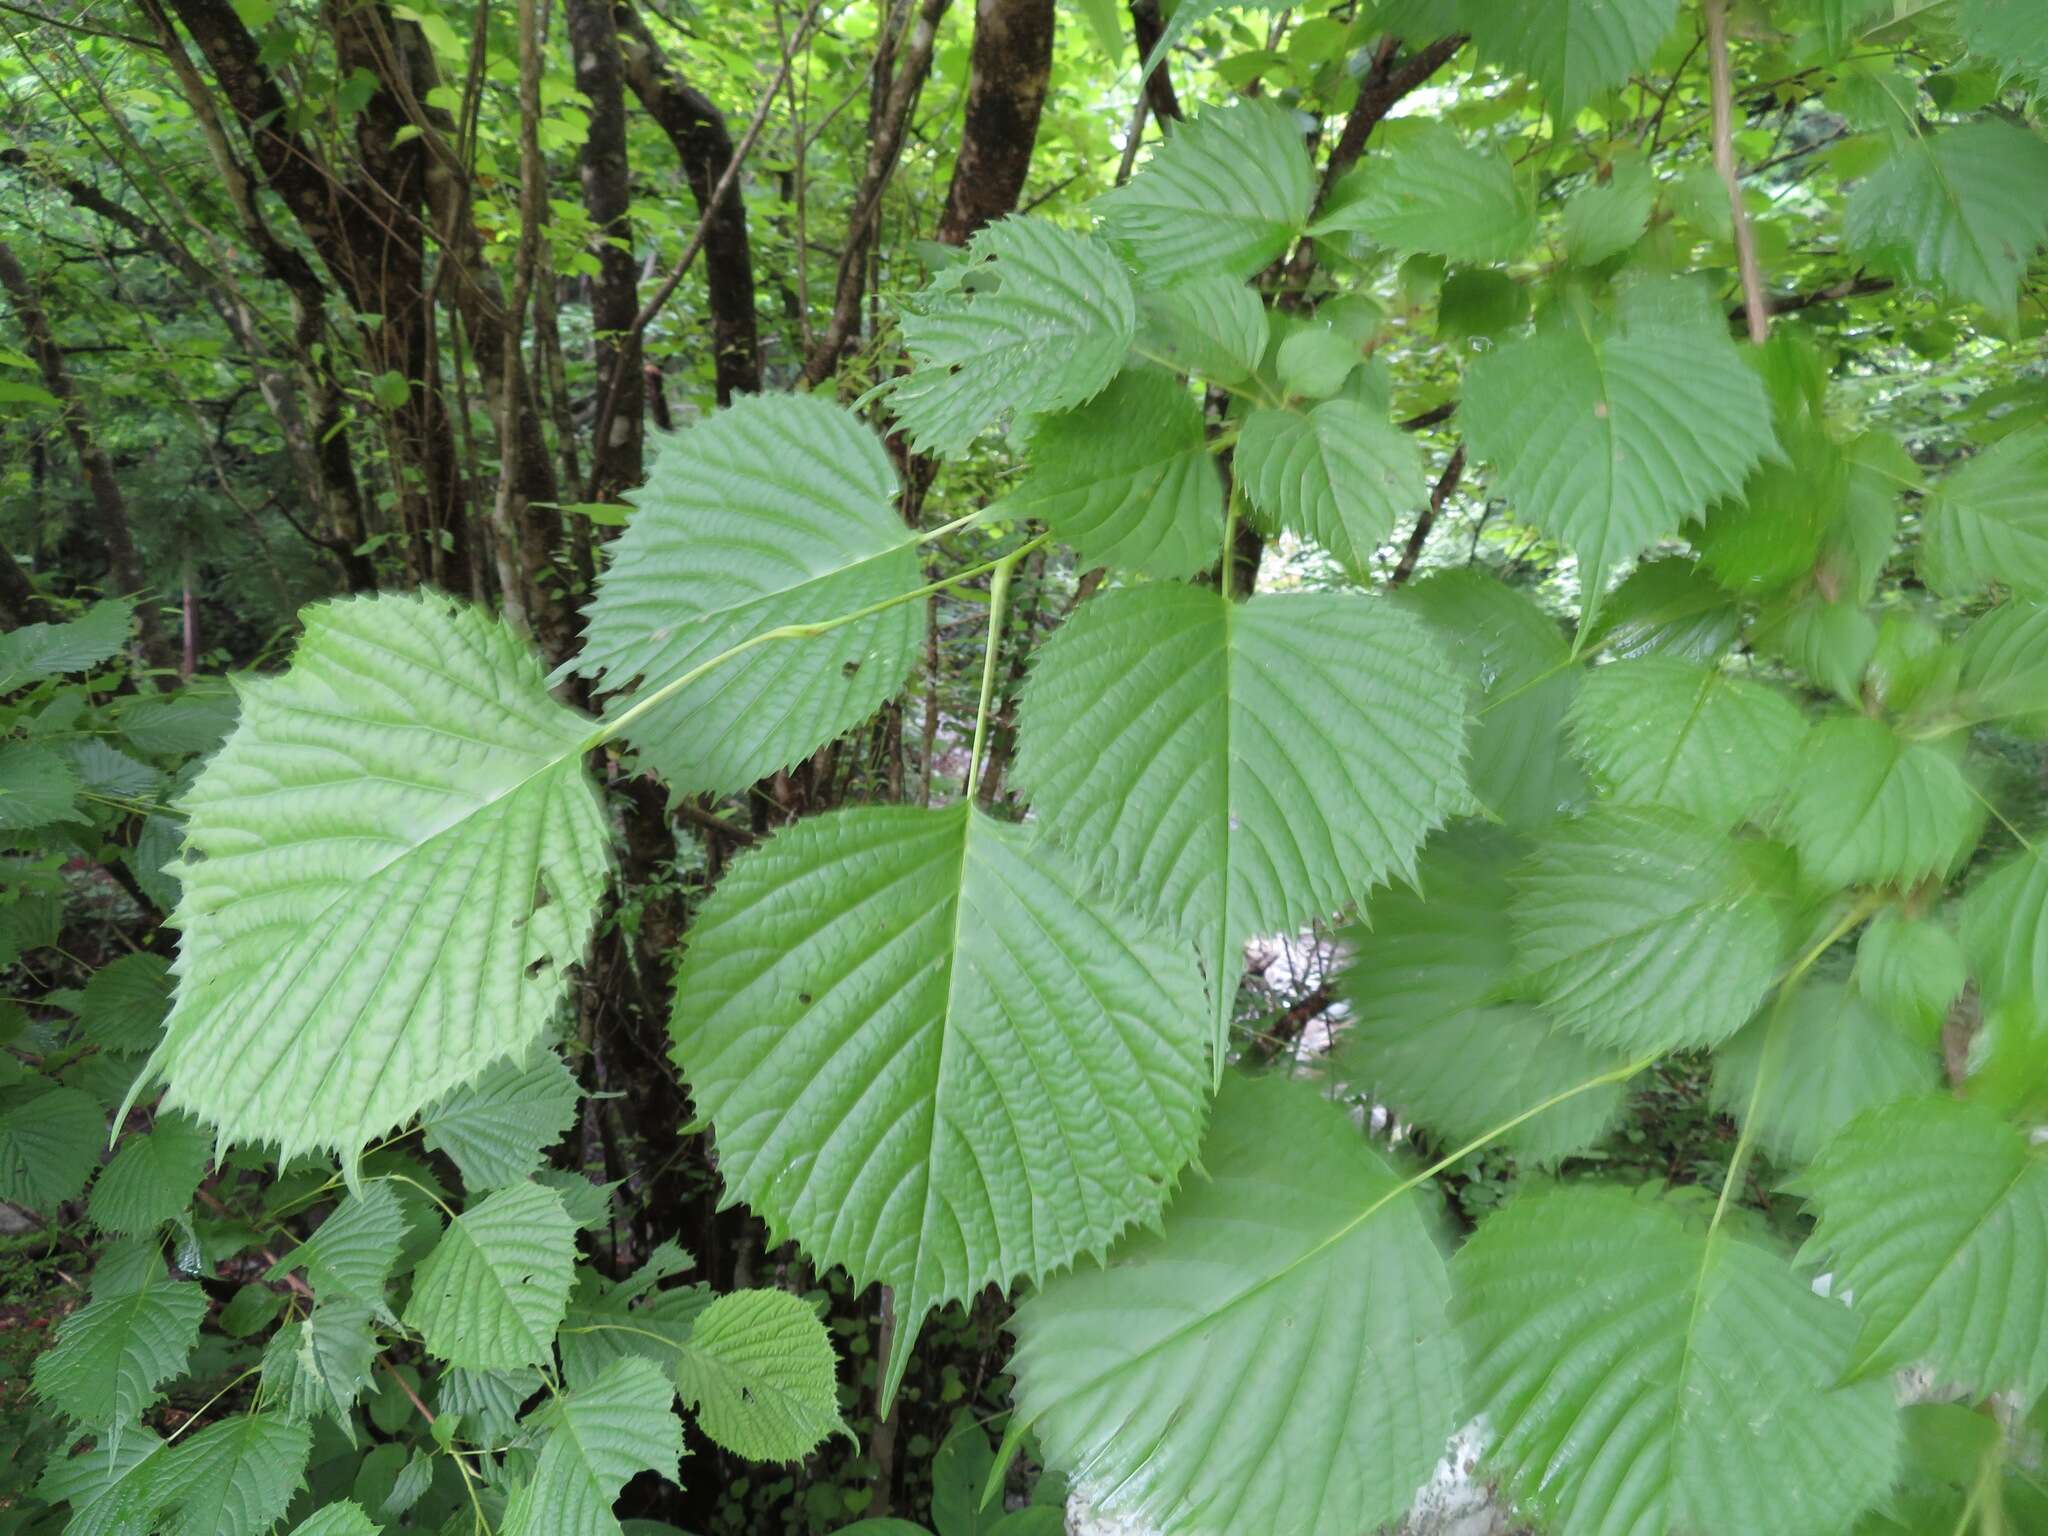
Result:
{"points": [[1212, 326], [1241, 767], [233, 1478], [1336, 473], [1574, 49], [1664, 731], [2011, 33], [112, 1354], [1524, 678], [1273, 1358], [152, 1177], [1645, 930], [49, 1146], [497, 1127], [37, 651], [1822, 1059], [1639, 1375], [1987, 523], [1430, 981], [493, 1291], [1912, 969], [105, 1484], [2002, 668], [390, 867], [1868, 806], [1933, 1215], [929, 1054], [1962, 210], [1128, 479], [780, 510], [1608, 436], [597, 1439], [759, 1372], [1036, 318], [1226, 193], [343, 1519], [1433, 192], [38, 787]]}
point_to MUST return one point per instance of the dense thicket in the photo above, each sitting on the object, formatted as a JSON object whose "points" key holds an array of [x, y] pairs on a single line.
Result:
{"points": [[798, 766]]}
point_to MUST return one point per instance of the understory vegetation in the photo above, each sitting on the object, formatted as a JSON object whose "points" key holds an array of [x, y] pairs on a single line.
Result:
{"points": [[854, 765]]}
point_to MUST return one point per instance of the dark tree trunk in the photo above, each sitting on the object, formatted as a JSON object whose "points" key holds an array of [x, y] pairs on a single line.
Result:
{"points": [[697, 130], [1007, 75], [615, 463]]}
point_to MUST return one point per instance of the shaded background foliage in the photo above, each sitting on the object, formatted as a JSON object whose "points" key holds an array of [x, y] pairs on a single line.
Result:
{"points": [[310, 299]]}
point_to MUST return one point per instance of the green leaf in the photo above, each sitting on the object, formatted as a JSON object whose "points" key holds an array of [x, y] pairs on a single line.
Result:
{"points": [[152, 1177], [353, 1251], [931, 1056], [233, 1478], [1300, 1273], [1639, 1375], [597, 1439], [1771, 536], [1666, 608], [1432, 192], [1226, 193], [1430, 986], [960, 1476], [1037, 318], [37, 787], [1314, 360], [1832, 643], [1609, 438], [1523, 675], [49, 1146], [1212, 326], [493, 1291], [1663, 731], [2003, 668], [1987, 523], [320, 1366], [1934, 1216], [106, 1485], [487, 1402], [1867, 806], [343, 1519], [1823, 1059], [1912, 969], [1337, 474], [37, 651], [390, 867], [780, 510], [497, 1128], [1240, 768], [759, 1372], [1609, 214], [1128, 480], [2011, 33], [2005, 932], [1961, 210], [1645, 930], [1574, 49], [605, 1323], [104, 770], [111, 1355]]}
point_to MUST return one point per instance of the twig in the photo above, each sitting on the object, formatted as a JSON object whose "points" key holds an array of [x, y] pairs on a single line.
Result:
{"points": [[1446, 483], [1755, 303]]}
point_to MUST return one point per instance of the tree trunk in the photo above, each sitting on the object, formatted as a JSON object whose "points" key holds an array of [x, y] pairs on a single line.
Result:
{"points": [[110, 511], [1011, 63], [697, 130], [615, 464]]}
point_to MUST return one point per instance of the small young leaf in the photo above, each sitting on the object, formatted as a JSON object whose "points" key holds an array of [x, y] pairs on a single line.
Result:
{"points": [[1432, 192], [1212, 326], [353, 1251], [1337, 474], [497, 1127], [1869, 807], [1987, 523], [152, 1177], [493, 1291], [1604, 218]]}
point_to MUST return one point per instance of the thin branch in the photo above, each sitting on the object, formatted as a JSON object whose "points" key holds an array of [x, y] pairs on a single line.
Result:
{"points": [[1439, 494], [1755, 303]]}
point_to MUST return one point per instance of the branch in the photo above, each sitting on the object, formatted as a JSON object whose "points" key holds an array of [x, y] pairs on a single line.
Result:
{"points": [[1755, 303], [1009, 68], [1446, 483]]}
